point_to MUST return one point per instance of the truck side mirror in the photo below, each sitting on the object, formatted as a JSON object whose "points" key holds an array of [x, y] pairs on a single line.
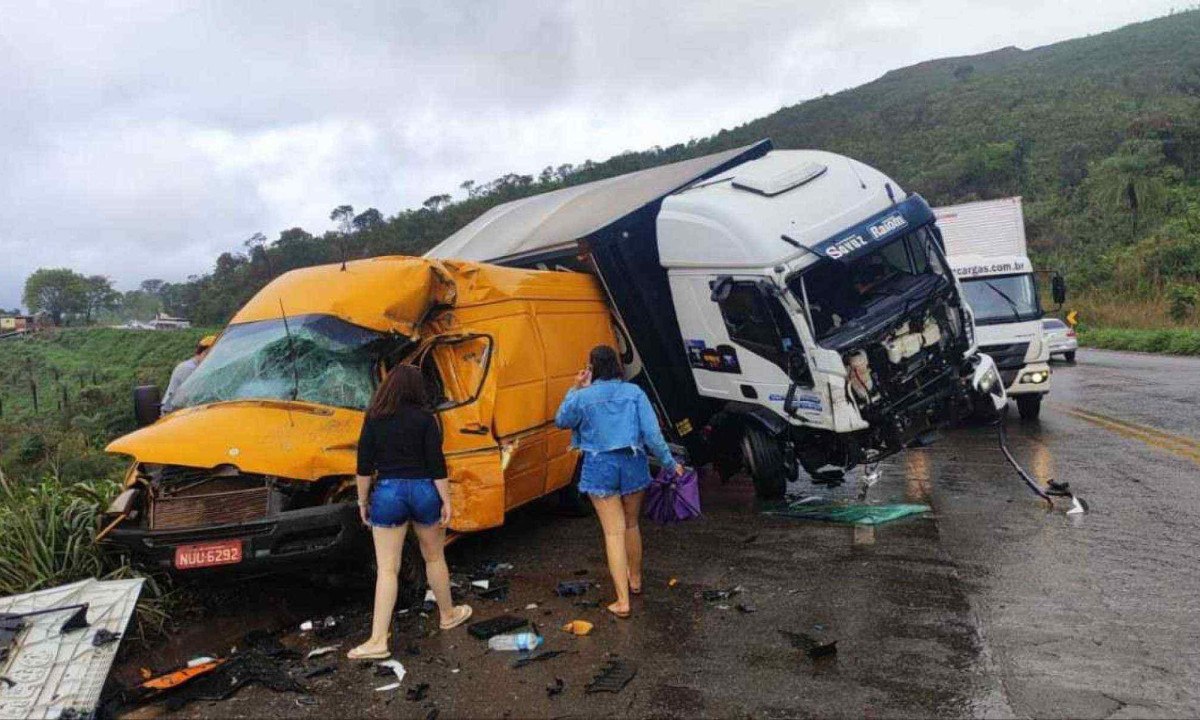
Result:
{"points": [[721, 287], [1058, 289], [147, 404]]}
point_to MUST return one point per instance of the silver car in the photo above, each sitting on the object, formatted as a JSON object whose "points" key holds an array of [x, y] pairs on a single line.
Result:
{"points": [[1060, 337]]}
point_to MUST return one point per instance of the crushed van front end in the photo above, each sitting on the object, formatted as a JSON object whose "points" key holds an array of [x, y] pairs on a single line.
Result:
{"points": [[194, 521]]}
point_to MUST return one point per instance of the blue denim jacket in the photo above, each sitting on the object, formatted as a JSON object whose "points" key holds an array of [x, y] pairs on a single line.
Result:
{"points": [[611, 415]]}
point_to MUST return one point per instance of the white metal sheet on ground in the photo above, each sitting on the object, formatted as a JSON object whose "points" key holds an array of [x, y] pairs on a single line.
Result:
{"points": [[53, 672]]}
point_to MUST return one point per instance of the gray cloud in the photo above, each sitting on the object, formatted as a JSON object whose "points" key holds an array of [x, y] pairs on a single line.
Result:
{"points": [[141, 139]]}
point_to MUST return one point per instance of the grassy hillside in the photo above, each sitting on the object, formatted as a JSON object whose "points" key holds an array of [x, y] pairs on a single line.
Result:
{"points": [[1101, 135], [83, 380]]}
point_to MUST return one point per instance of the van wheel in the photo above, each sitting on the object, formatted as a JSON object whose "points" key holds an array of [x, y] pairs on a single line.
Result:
{"points": [[764, 459], [1069, 356], [1029, 406]]}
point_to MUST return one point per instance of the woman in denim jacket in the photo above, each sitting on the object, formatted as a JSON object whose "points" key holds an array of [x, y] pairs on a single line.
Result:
{"points": [[612, 422]]}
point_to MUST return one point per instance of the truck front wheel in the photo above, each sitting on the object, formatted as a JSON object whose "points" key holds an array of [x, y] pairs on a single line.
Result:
{"points": [[1029, 406], [763, 456]]}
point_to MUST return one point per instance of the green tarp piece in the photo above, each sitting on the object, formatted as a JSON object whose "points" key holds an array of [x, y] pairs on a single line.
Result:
{"points": [[850, 514]]}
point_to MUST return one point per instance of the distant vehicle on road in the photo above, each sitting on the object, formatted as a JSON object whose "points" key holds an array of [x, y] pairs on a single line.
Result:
{"points": [[985, 244], [1060, 338]]}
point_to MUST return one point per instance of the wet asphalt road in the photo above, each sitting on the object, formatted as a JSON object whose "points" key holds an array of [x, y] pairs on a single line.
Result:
{"points": [[990, 606]]}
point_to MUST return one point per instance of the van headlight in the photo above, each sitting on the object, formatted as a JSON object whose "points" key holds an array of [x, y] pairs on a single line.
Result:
{"points": [[988, 380], [1035, 377]]}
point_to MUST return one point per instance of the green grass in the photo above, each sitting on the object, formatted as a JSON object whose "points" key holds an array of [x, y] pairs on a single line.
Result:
{"points": [[1173, 341], [47, 532]]}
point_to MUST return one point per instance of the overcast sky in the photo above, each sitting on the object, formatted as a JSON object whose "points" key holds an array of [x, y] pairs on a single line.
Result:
{"points": [[142, 139]]}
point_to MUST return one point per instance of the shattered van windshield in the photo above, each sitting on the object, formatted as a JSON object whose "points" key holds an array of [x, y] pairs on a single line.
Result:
{"points": [[333, 364]]}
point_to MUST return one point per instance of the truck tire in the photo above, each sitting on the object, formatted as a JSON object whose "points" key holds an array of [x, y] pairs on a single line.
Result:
{"points": [[1069, 356], [1029, 406], [763, 456]]}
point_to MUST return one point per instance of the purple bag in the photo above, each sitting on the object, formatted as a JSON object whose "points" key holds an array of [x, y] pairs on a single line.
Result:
{"points": [[672, 499]]}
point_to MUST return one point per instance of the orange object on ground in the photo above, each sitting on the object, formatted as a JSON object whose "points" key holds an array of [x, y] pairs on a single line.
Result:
{"points": [[578, 627]]}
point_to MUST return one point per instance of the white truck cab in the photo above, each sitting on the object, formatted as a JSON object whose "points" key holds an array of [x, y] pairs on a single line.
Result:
{"points": [[782, 308], [985, 244]]}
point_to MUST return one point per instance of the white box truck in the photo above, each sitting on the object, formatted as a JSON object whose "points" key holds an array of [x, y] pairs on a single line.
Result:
{"points": [[985, 244], [782, 308]]}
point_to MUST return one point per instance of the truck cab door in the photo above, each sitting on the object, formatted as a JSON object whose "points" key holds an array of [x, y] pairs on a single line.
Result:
{"points": [[740, 339], [462, 392]]}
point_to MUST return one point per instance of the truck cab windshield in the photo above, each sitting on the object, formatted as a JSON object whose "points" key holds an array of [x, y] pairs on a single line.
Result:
{"points": [[1002, 299], [325, 360], [843, 295]]}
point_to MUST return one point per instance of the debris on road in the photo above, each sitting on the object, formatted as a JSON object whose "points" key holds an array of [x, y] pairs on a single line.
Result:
{"points": [[811, 646], [417, 693], [524, 642], [540, 657], [319, 671], [715, 595], [571, 588], [555, 688], [578, 627], [531, 606], [672, 582], [481, 584], [746, 608], [385, 688], [612, 677], [318, 652], [497, 591], [849, 514], [395, 666], [587, 603], [486, 629]]}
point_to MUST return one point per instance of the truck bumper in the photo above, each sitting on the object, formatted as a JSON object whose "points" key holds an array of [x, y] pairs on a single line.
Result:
{"points": [[1024, 381], [297, 540]]}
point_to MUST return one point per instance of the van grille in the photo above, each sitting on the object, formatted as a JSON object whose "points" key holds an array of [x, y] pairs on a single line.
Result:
{"points": [[192, 500]]}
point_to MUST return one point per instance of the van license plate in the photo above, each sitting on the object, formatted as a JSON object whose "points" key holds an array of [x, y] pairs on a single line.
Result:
{"points": [[225, 552]]}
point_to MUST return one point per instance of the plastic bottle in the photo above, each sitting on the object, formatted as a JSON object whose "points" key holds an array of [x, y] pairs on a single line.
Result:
{"points": [[525, 641]]}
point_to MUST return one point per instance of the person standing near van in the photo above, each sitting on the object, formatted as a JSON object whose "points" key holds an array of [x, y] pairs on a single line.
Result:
{"points": [[184, 370], [612, 422], [401, 444]]}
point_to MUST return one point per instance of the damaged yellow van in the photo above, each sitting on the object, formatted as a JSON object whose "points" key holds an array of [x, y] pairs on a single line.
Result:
{"points": [[254, 469]]}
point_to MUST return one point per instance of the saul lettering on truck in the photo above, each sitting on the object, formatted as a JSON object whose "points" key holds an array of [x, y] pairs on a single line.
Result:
{"points": [[254, 470]]}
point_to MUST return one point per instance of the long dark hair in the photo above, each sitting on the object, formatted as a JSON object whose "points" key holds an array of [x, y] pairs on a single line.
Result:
{"points": [[606, 365], [403, 385]]}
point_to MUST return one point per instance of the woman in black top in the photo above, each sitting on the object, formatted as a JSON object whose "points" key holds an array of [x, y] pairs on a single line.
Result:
{"points": [[401, 444]]}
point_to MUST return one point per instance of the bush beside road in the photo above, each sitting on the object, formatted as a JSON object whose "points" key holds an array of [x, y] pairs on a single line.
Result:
{"points": [[1171, 341]]}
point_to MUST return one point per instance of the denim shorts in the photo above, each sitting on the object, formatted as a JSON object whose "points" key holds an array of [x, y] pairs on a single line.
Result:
{"points": [[395, 501], [617, 472]]}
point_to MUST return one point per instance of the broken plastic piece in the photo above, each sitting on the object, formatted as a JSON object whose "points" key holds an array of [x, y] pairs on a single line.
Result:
{"points": [[321, 651], [811, 646], [746, 607], [555, 688], [672, 582], [481, 584], [578, 627], [540, 657], [105, 637], [202, 660], [396, 667], [571, 588], [417, 693], [385, 688], [496, 626], [714, 595], [613, 676], [531, 606]]}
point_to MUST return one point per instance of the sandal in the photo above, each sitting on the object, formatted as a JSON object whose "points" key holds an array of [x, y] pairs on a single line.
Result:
{"points": [[623, 615], [359, 654], [462, 613]]}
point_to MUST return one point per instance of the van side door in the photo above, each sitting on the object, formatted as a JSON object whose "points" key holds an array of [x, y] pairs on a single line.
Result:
{"points": [[461, 386]]}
